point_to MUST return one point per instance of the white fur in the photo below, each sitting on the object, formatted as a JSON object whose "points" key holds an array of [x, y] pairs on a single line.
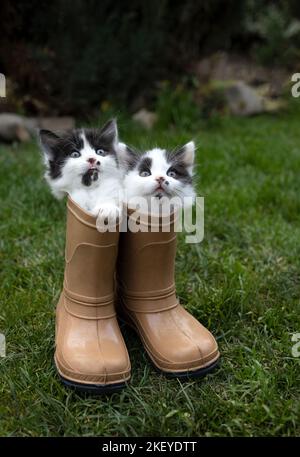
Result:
{"points": [[104, 196]]}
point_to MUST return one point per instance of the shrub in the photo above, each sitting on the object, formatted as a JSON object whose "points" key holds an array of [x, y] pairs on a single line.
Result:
{"points": [[69, 56], [276, 32]]}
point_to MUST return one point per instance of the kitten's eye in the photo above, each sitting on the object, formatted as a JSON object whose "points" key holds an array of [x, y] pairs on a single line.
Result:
{"points": [[172, 174], [75, 154], [101, 152], [145, 173]]}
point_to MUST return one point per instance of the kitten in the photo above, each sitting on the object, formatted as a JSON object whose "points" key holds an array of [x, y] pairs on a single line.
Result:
{"points": [[83, 163], [159, 174]]}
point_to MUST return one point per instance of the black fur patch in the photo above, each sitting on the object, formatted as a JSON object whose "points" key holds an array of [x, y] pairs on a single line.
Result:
{"points": [[145, 164], [132, 158], [175, 154], [177, 164], [98, 141], [89, 177], [181, 172]]}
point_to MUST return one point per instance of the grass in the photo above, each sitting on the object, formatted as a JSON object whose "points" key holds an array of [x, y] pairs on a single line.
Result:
{"points": [[242, 282]]}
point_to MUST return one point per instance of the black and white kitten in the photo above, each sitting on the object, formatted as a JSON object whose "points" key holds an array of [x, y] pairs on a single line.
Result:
{"points": [[159, 173], [83, 163]]}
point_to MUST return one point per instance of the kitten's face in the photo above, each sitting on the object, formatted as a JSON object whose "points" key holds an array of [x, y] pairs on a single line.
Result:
{"points": [[160, 173], [80, 156]]}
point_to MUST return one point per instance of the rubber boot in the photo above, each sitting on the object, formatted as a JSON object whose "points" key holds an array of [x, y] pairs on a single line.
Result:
{"points": [[91, 355], [175, 341]]}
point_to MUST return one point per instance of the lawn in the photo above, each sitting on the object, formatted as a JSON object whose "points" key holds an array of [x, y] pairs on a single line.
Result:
{"points": [[242, 281]]}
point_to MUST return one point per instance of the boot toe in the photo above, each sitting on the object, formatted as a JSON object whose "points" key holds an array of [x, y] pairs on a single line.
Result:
{"points": [[98, 355], [94, 370], [193, 355], [175, 341], [117, 366]]}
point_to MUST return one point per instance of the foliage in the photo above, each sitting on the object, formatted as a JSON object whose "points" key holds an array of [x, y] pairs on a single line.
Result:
{"points": [[69, 56], [277, 31], [176, 107]]}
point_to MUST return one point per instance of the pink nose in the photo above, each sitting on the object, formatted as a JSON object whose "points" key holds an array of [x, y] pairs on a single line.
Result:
{"points": [[160, 179], [91, 160]]}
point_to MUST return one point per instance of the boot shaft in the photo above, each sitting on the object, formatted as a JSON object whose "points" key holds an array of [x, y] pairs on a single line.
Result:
{"points": [[146, 265], [90, 258]]}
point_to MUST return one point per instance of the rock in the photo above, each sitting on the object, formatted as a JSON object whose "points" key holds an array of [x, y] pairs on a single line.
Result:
{"points": [[243, 100], [56, 123], [22, 134], [19, 128], [146, 118], [222, 66], [13, 128], [32, 125], [274, 105], [237, 98]]}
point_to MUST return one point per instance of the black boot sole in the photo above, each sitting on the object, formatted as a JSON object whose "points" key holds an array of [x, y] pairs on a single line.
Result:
{"points": [[95, 389], [186, 375]]}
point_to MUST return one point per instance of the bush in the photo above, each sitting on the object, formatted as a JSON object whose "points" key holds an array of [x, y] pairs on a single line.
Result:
{"points": [[72, 55], [276, 31], [68, 56], [176, 107]]}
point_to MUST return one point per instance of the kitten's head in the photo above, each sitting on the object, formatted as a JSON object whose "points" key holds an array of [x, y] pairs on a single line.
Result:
{"points": [[158, 172], [80, 157]]}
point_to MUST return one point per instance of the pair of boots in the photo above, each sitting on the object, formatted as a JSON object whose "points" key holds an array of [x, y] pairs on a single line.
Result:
{"points": [[91, 354]]}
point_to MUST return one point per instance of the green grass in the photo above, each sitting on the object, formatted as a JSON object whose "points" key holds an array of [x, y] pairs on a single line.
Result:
{"points": [[242, 281]]}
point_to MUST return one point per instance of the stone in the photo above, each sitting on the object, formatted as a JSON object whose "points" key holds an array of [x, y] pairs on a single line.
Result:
{"points": [[13, 128], [223, 66], [243, 100], [145, 118], [57, 124]]}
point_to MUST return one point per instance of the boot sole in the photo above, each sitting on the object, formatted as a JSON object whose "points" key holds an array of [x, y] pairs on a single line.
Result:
{"points": [[198, 373], [188, 374], [95, 389]]}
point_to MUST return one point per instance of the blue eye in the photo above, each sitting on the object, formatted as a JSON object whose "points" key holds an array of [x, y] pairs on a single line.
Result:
{"points": [[145, 173], [172, 173], [101, 152], [75, 154]]}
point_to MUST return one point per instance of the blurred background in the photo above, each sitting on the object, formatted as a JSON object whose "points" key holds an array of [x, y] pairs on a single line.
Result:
{"points": [[164, 62]]}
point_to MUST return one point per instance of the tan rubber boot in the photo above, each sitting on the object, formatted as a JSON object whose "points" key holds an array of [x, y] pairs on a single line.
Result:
{"points": [[90, 351], [176, 342]]}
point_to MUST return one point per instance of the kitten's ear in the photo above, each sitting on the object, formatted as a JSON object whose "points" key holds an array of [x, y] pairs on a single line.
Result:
{"points": [[127, 157], [48, 141], [187, 153], [109, 131]]}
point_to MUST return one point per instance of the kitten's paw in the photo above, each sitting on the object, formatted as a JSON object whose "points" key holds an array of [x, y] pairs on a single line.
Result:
{"points": [[109, 212], [109, 215]]}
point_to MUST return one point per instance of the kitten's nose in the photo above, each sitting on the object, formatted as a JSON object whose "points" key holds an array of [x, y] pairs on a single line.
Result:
{"points": [[160, 179], [91, 160]]}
